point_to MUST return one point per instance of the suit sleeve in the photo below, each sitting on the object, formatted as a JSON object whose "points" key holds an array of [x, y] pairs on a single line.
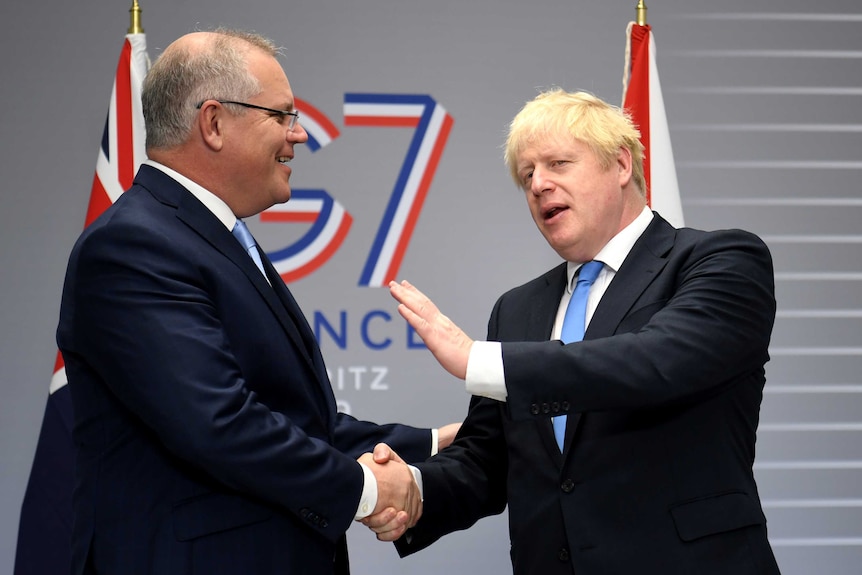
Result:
{"points": [[354, 437], [466, 481]]}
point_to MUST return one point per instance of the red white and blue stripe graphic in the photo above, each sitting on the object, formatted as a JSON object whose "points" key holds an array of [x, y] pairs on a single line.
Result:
{"points": [[432, 124], [330, 221], [321, 131]]}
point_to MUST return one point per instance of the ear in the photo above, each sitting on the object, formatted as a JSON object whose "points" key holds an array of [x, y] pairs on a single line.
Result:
{"points": [[210, 124], [624, 165]]}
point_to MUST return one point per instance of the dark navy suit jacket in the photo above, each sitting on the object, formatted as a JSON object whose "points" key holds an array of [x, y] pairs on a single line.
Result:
{"points": [[206, 429], [663, 399]]}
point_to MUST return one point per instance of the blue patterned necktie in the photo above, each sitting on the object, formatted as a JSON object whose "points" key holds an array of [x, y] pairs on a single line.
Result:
{"points": [[241, 233], [574, 324]]}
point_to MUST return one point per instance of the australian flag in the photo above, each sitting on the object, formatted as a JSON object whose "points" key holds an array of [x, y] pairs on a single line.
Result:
{"points": [[44, 533]]}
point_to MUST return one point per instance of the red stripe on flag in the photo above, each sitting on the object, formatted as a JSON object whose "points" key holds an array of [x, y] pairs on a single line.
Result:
{"points": [[637, 94], [125, 143], [59, 363], [99, 200]]}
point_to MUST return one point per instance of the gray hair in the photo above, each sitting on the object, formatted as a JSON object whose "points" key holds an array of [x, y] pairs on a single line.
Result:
{"points": [[183, 77]]}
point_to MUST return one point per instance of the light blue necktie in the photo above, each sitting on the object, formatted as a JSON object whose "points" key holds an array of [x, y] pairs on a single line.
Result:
{"points": [[574, 324], [241, 233]]}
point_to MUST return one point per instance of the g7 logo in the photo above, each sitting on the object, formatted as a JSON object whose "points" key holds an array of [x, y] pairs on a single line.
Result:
{"points": [[330, 221]]}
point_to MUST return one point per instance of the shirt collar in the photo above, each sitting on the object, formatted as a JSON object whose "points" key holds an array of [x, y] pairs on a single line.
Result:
{"points": [[616, 250], [211, 201]]}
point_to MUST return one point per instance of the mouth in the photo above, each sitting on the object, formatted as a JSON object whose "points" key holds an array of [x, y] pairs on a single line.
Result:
{"points": [[549, 212], [283, 159]]}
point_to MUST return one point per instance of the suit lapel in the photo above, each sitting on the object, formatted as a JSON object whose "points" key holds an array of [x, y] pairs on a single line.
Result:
{"points": [[643, 264], [310, 348], [199, 218]]}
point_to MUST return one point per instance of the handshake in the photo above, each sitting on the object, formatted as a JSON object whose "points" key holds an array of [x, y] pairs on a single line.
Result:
{"points": [[399, 501]]}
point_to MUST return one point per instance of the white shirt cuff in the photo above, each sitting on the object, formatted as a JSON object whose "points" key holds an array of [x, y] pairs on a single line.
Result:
{"points": [[417, 477], [435, 442], [485, 375], [368, 500]]}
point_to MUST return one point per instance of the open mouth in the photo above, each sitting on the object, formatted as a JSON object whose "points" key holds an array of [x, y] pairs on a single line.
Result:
{"points": [[553, 211]]}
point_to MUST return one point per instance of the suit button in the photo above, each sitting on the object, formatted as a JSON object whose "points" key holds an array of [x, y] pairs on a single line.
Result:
{"points": [[567, 486], [324, 523], [534, 409], [566, 406], [563, 555], [546, 408], [555, 407]]}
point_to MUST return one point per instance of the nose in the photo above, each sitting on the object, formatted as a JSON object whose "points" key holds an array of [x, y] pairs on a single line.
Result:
{"points": [[539, 183], [298, 135]]}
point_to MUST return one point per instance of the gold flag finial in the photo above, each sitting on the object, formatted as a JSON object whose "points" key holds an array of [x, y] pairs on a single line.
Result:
{"points": [[641, 9], [135, 26]]}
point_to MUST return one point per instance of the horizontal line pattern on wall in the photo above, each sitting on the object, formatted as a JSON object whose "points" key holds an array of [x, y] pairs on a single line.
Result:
{"points": [[767, 130]]}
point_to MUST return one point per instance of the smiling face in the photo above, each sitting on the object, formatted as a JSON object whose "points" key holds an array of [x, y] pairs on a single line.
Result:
{"points": [[577, 203], [258, 144]]}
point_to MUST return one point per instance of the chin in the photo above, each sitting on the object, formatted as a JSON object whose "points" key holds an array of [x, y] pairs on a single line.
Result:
{"points": [[282, 196]]}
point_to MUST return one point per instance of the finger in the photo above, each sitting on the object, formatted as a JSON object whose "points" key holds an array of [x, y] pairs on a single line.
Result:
{"points": [[397, 521], [382, 453], [392, 455], [408, 294], [404, 296], [393, 535], [419, 324], [379, 521]]}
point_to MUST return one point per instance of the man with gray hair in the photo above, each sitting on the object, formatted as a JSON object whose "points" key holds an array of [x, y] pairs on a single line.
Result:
{"points": [[207, 435]]}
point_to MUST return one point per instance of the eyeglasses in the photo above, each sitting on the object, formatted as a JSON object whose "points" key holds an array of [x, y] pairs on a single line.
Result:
{"points": [[292, 117]]}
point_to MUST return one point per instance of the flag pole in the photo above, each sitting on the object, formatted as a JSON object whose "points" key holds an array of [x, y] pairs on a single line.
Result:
{"points": [[641, 13], [135, 26]]}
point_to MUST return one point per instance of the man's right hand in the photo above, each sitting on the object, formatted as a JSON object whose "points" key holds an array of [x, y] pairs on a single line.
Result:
{"points": [[399, 503]]}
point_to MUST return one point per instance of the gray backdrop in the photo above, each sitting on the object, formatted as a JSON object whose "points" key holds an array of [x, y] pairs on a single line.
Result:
{"points": [[762, 98]]}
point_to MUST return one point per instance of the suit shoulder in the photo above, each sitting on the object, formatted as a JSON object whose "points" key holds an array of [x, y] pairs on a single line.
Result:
{"points": [[536, 284], [730, 238]]}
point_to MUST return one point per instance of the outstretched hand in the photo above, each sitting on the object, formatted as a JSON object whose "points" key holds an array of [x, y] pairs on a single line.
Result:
{"points": [[449, 344]]}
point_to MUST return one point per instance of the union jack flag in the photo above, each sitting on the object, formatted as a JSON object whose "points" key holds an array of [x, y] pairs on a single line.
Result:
{"points": [[46, 513]]}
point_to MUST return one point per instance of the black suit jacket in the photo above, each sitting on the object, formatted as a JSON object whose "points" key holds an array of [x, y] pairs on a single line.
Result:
{"points": [[207, 434], [663, 399]]}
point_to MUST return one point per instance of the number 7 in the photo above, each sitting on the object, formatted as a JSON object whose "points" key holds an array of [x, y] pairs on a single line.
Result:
{"points": [[433, 125]]}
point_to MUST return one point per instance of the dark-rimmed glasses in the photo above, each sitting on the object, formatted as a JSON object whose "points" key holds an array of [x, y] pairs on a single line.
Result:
{"points": [[292, 117]]}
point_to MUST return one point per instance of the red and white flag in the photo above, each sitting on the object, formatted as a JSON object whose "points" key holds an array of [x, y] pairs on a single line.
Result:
{"points": [[44, 533], [642, 98]]}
